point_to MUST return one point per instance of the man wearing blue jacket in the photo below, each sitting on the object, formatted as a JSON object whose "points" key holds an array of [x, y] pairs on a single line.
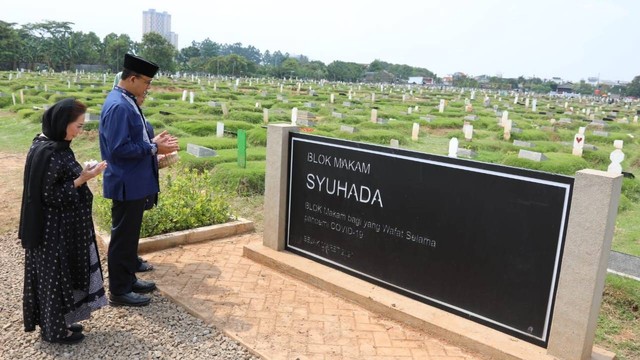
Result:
{"points": [[132, 179]]}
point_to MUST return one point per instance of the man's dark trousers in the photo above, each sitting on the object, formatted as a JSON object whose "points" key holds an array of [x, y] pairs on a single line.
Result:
{"points": [[126, 221]]}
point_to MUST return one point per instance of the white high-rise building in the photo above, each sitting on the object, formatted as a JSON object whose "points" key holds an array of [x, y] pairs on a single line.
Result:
{"points": [[159, 22]]}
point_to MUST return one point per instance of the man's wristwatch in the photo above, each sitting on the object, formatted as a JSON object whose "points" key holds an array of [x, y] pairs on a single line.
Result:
{"points": [[154, 149]]}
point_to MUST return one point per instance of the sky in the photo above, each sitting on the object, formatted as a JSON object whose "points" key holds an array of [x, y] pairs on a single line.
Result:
{"points": [[570, 39]]}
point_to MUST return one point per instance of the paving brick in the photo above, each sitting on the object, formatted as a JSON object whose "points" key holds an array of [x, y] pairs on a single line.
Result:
{"points": [[280, 316]]}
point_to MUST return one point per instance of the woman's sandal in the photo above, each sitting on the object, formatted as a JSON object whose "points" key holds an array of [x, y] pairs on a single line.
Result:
{"points": [[74, 338], [75, 328]]}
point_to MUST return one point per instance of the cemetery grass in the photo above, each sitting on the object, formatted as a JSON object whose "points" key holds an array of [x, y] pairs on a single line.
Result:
{"points": [[619, 321], [618, 327]]}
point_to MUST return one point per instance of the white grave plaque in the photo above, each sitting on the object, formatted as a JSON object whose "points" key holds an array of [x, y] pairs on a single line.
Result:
{"points": [[220, 129]]}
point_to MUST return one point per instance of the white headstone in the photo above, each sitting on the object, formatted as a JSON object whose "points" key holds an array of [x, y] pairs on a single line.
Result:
{"points": [[616, 157], [578, 142], [374, 115], [191, 96], [507, 129], [21, 96], [467, 130], [332, 98], [635, 119], [473, 95], [184, 95], [441, 107], [373, 97], [453, 147], [409, 110], [281, 87], [526, 103], [220, 129], [13, 98], [515, 100], [534, 105], [404, 97], [294, 116], [394, 143], [415, 132], [505, 117], [265, 115]]}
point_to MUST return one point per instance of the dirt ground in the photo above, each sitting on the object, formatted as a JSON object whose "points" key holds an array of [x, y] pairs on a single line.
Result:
{"points": [[11, 170]]}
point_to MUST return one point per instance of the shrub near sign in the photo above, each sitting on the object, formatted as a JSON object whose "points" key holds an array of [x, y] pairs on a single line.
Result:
{"points": [[480, 240]]}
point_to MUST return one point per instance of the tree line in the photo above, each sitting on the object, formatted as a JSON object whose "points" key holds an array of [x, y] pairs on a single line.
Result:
{"points": [[53, 45]]}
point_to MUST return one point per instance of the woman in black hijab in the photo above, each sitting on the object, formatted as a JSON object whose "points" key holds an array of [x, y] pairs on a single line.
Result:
{"points": [[63, 280]]}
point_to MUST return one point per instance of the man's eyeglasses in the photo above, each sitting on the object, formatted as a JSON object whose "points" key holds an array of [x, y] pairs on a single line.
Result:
{"points": [[148, 82]]}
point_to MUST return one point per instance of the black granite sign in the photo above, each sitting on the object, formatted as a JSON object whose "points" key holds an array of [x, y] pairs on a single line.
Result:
{"points": [[476, 239]]}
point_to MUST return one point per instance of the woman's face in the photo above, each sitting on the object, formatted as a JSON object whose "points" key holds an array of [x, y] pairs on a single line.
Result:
{"points": [[74, 128]]}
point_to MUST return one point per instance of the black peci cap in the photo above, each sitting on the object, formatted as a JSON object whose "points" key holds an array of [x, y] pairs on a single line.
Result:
{"points": [[140, 65]]}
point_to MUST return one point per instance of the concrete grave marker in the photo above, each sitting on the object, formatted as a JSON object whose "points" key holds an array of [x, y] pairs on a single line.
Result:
{"points": [[348, 129], [523, 143], [265, 115], [200, 151], [531, 155], [374, 115], [466, 153], [294, 116], [219, 129]]}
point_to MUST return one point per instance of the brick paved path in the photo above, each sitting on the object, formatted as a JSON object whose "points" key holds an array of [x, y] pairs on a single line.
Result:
{"points": [[278, 316]]}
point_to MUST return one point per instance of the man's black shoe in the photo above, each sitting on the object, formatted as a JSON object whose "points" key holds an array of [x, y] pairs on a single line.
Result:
{"points": [[144, 266], [143, 287], [129, 299]]}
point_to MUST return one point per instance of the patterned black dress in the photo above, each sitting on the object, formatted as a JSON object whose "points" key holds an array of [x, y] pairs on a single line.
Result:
{"points": [[63, 280]]}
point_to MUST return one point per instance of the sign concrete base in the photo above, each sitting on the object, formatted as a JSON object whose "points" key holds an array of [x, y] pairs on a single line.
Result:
{"points": [[455, 329]]}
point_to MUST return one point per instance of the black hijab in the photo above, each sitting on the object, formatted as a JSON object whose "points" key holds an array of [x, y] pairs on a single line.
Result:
{"points": [[54, 129]]}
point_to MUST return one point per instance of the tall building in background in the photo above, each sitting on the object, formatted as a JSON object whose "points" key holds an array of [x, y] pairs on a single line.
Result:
{"points": [[159, 22]]}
